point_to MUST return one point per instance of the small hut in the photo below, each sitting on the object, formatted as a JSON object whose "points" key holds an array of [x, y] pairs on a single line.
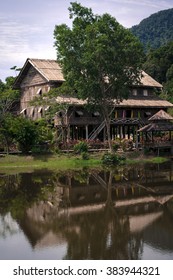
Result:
{"points": [[157, 135]]}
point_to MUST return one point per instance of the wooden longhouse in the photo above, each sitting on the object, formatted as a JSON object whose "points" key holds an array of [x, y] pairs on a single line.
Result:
{"points": [[38, 76]]}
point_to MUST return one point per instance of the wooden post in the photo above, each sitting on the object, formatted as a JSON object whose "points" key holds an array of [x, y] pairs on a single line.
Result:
{"points": [[121, 132], [86, 129], [137, 139], [171, 150], [68, 133], [128, 131]]}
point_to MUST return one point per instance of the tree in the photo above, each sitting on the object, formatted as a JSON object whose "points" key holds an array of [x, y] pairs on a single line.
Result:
{"points": [[159, 64], [100, 59], [9, 100], [8, 97], [25, 133]]}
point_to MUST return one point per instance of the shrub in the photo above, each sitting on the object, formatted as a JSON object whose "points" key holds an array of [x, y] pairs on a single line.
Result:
{"points": [[85, 156], [81, 147], [115, 146], [25, 133], [112, 159]]}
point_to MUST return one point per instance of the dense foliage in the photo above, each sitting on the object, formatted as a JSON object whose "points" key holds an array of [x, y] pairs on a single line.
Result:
{"points": [[159, 64], [9, 100], [113, 159], [99, 58], [156, 30], [17, 132]]}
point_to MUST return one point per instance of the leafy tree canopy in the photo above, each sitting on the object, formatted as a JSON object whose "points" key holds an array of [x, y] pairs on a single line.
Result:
{"points": [[8, 96], [99, 58], [159, 64]]}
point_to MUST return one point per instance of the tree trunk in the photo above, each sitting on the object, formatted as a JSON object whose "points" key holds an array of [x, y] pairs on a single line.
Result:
{"points": [[108, 130]]}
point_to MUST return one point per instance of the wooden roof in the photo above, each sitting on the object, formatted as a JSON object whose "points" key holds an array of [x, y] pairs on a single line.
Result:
{"points": [[130, 103], [70, 100], [157, 127], [161, 115], [148, 81], [154, 102], [49, 69], [161, 121]]}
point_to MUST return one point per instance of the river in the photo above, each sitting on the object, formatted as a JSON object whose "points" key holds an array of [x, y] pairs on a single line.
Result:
{"points": [[122, 213]]}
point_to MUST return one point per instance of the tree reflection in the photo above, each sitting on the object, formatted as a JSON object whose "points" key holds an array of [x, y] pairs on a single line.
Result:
{"points": [[104, 234], [81, 208]]}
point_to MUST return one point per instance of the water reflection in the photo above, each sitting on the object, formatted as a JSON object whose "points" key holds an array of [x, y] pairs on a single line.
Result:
{"points": [[124, 213]]}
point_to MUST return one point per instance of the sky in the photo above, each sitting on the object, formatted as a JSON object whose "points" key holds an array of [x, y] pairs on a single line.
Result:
{"points": [[26, 27]]}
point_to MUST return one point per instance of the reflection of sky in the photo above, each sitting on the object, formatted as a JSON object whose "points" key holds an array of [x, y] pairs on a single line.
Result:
{"points": [[15, 247], [8, 225], [14, 244], [151, 253]]}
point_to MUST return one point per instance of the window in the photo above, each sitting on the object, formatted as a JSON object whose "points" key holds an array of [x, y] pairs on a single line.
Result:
{"points": [[60, 114], [78, 114], [40, 110], [47, 108], [39, 91], [147, 114], [24, 112], [95, 114], [145, 92], [32, 112], [128, 114], [134, 92]]}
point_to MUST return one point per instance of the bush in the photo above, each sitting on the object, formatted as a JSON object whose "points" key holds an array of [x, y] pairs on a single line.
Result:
{"points": [[112, 159], [85, 156], [115, 146], [81, 147], [25, 133]]}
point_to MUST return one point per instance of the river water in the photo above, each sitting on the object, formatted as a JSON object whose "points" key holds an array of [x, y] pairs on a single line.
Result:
{"points": [[124, 213]]}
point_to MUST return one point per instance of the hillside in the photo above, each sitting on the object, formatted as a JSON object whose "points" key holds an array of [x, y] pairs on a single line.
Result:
{"points": [[156, 30]]}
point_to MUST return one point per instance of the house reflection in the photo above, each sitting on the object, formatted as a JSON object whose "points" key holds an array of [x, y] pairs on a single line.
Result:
{"points": [[102, 214]]}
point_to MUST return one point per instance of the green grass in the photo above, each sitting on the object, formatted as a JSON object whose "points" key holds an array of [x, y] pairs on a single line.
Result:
{"points": [[20, 163], [145, 160], [60, 162]]}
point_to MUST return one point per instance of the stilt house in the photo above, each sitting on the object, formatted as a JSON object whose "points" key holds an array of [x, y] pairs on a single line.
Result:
{"points": [[38, 76]]}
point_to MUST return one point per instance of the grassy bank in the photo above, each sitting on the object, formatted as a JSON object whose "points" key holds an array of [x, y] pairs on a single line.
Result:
{"points": [[22, 163], [60, 162]]}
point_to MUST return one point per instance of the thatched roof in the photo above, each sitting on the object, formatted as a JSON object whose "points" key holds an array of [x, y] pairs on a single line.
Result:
{"points": [[154, 102], [48, 69], [157, 127], [161, 115], [161, 121], [148, 81], [129, 103], [70, 100], [51, 71]]}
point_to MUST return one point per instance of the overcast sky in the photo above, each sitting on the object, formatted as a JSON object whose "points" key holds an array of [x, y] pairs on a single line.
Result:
{"points": [[26, 27]]}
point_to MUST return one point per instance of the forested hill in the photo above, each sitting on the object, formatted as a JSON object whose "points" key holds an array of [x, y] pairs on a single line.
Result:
{"points": [[156, 30]]}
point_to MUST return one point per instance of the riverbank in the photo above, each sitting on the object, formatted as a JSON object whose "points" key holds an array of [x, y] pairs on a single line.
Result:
{"points": [[66, 161]]}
